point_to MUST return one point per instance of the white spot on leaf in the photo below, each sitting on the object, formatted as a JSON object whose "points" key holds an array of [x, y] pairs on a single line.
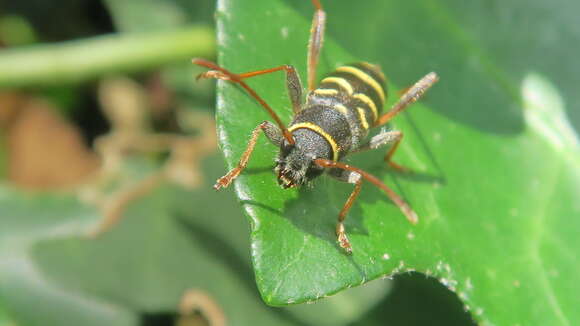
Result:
{"points": [[545, 113]]}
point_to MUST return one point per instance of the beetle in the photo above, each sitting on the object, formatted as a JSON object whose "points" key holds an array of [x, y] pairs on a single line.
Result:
{"points": [[333, 122]]}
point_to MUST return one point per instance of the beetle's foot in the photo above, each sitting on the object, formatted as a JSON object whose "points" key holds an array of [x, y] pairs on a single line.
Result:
{"points": [[343, 239]]}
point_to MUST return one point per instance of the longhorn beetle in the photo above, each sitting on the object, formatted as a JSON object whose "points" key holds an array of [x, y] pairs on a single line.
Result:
{"points": [[333, 123]]}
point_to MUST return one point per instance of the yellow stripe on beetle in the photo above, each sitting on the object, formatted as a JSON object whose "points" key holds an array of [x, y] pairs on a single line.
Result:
{"points": [[342, 109], [363, 118], [326, 91], [375, 69], [365, 78], [343, 83], [369, 102], [318, 130]]}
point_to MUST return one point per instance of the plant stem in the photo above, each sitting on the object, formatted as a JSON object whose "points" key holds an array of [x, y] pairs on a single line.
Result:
{"points": [[74, 61]]}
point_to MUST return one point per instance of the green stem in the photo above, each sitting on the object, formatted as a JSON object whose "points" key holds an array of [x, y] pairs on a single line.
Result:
{"points": [[73, 61]]}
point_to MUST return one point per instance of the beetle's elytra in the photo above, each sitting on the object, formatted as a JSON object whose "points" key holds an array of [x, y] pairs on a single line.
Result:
{"points": [[333, 122]]}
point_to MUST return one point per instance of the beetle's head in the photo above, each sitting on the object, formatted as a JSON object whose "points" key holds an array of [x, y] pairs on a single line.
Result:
{"points": [[295, 166]]}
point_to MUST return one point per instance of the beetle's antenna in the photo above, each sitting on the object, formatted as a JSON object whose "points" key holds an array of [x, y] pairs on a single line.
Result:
{"points": [[315, 42], [224, 74], [411, 95]]}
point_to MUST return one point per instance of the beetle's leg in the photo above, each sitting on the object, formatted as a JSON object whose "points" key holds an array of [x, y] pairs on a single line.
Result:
{"points": [[222, 73], [412, 94], [274, 135], [315, 42], [405, 208], [391, 152], [350, 177], [293, 84], [386, 138]]}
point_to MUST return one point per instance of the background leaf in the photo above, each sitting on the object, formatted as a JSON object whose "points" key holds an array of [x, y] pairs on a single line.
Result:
{"points": [[20, 279], [5, 319], [495, 182]]}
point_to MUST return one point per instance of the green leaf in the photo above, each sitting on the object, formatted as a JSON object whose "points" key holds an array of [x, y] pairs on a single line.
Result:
{"points": [[5, 319], [497, 162], [26, 219]]}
